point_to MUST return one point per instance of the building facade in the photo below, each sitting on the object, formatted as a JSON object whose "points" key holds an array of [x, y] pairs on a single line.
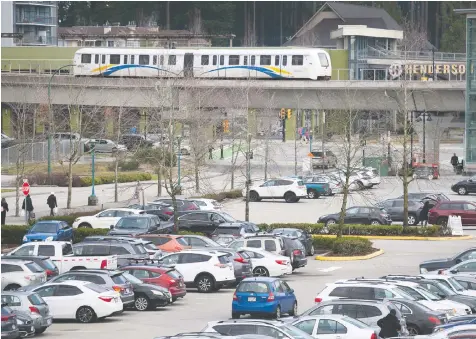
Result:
{"points": [[33, 23]]}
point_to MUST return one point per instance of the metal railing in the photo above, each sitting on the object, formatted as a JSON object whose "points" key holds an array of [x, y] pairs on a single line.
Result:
{"points": [[36, 3], [36, 152], [36, 66], [37, 20], [38, 40], [411, 55]]}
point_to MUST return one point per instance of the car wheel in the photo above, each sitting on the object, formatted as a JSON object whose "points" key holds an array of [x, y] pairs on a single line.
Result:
{"points": [[462, 190], [330, 222], [312, 194], [290, 197], [297, 199], [141, 303], [277, 313], [260, 271], [85, 314], [312, 251], [413, 330], [205, 283], [235, 315], [12, 287], [254, 196], [294, 310], [84, 225], [375, 222], [412, 220]]}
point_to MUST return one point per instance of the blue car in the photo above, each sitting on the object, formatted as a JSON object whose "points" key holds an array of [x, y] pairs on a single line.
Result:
{"points": [[263, 296], [457, 321], [49, 230]]}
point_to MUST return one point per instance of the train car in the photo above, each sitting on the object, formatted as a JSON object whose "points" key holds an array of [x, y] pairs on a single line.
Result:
{"points": [[215, 63]]}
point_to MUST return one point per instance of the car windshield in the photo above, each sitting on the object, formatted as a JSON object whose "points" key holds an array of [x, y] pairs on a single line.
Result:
{"points": [[132, 223], [294, 332], [132, 279], [428, 294], [253, 287], [44, 227], [456, 285], [34, 267], [227, 217]]}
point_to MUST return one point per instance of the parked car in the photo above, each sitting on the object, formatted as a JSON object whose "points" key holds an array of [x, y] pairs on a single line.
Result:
{"points": [[80, 300], [463, 320], [148, 296], [465, 187], [268, 242], [236, 230], [304, 237], [372, 175], [9, 323], [49, 230], [162, 210], [291, 190], [106, 146], [25, 324], [182, 204], [207, 221], [451, 282], [335, 185], [465, 267], [295, 250], [439, 214], [267, 264], [149, 246], [315, 188], [44, 262], [206, 270], [263, 296], [32, 304], [104, 219], [136, 224], [167, 277], [207, 204], [61, 253], [225, 239], [134, 141], [358, 180], [394, 208], [324, 159], [436, 264], [166, 242], [7, 141], [359, 215], [469, 283], [18, 273], [199, 241]]}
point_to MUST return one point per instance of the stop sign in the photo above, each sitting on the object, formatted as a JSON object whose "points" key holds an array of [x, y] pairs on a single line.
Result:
{"points": [[25, 188]]}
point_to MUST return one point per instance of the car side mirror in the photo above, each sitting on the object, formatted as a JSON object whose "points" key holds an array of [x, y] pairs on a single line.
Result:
{"points": [[454, 271], [458, 261], [111, 227]]}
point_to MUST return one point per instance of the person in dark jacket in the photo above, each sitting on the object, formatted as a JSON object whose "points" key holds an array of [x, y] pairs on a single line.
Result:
{"points": [[390, 325], [424, 213], [28, 207], [454, 161], [4, 210], [52, 204]]}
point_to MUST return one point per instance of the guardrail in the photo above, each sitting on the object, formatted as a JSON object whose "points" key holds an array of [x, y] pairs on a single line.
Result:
{"points": [[411, 55]]}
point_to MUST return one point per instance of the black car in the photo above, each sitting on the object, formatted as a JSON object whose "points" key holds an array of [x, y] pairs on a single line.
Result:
{"points": [[437, 264], [136, 224], [207, 221], [420, 319], [148, 296], [359, 215], [134, 141], [295, 250], [304, 237], [43, 261], [394, 207], [9, 323], [464, 187]]}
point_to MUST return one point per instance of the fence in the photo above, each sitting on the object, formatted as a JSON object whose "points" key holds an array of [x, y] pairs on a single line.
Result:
{"points": [[411, 55]]}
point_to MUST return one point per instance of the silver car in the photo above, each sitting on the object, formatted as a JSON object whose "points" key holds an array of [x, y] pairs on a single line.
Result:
{"points": [[324, 159], [32, 304], [107, 146]]}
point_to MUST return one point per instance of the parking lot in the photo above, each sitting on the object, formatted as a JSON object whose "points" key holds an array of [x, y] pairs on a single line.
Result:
{"points": [[195, 310]]}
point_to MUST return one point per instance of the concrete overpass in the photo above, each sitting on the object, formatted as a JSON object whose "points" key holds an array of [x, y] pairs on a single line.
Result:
{"points": [[437, 96]]}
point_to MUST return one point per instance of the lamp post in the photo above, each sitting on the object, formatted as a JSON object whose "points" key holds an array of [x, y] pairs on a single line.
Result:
{"points": [[92, 199], [425, 116], [51, 118], [433, 62]]}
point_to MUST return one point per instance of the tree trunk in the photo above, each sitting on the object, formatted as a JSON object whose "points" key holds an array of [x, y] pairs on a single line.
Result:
{"points": [[159, 182], [197, 179], [116, 174], [348, 164], [70, 183]]}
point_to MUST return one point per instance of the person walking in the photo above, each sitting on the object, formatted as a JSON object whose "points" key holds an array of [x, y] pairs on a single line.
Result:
{"points": [[210, 152], [52, 204], [4, 210], [27, 206], [389, 325], [424, 213], [454, 161]]}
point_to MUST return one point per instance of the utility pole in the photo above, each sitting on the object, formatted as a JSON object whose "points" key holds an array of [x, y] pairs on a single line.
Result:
{"points": [[295, 140], [323, 121], [232, 149], [266, 152]]}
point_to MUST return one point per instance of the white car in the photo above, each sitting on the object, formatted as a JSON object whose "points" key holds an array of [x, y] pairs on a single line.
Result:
{"points": [[19, 273], [107, 146], [372, 175], [105, 219], [268, 264], [451, 283], [334, 326], [289, 189], [267, 242], [467, 267], [206, 270], [207, 204], [80, 300]]}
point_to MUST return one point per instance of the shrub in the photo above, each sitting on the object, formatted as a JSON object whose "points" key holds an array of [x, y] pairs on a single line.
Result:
{"points": [[125, 165], [310, 228], [13, 234], [323, 243], [233, 194], [350, 246], [61, 180], [80, 233]]}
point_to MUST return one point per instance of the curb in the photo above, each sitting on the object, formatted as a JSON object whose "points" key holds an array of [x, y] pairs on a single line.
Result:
{"points": [[384, 237], [362, 257]]}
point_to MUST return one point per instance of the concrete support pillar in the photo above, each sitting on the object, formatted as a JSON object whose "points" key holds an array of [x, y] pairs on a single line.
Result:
{"points": [[433, 134], [7, 121], [74, 119], [291, 126], [110, 119]]}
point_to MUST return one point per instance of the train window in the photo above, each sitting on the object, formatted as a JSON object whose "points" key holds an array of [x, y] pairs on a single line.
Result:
{"points": [[222, 59], [125, 59], [85, 58], [234, 60], [265, 60], [132, 59], [276, 60], [115, 59], [96, 59], [103, 59], [253, 60], [297, 60], [205, 60], [161, 60], [323, 60], [245, 60], [154, 60], [144, 59], [285, 60], [214, 60], [172, 59]]}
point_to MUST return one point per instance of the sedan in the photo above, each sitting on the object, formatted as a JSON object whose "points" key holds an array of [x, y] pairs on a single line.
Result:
{"points": [[135, 224], [464, 187], [207, 204], [148, 296], [359, 215], [336, 326], [104, 219], [268, 264], [436, 264], [107, 146], [467, 267], [49, 230]]}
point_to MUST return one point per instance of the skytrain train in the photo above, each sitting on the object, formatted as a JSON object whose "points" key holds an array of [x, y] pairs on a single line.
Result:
{"points": [[206, 63]]}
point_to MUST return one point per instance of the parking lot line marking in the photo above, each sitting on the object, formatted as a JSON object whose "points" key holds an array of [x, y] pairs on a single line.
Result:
{"points": [[330, 269]]}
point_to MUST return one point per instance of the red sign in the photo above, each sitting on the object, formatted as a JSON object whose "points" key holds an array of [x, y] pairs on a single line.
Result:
{"points": [[25, 188]]}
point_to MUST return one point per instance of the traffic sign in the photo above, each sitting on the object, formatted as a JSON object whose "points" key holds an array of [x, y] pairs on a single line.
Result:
{"points": [[25, 187]]}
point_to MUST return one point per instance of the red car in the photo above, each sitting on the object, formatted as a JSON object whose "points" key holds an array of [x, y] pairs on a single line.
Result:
{"points": [[439, 214], [162, 276]]}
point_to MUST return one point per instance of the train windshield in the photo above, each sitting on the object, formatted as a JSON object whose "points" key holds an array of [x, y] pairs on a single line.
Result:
{"points": [[323, 59]]}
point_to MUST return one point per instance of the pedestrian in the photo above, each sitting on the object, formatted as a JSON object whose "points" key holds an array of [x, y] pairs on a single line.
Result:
{"points": [[210, 152], [424, 213], [454, 161], [51, 202], [4, 210], [389, 325], [27, 206]]}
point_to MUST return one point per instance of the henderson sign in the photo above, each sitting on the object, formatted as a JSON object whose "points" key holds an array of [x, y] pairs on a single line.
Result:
{"points": [[456, 69]]}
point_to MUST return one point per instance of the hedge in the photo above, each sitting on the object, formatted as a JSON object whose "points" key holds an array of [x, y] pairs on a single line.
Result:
{"points": [[61, 179], [233, 194], [345, 246], [69, 218]]}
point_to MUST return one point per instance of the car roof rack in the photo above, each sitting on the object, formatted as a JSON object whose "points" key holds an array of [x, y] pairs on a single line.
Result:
{"points": [[401, 277], [195, 334], [251, 320]]}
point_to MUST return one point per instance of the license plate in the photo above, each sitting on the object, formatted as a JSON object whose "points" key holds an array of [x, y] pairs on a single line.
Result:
{"points": [[251, 298], [116, 300], [49, 321]]}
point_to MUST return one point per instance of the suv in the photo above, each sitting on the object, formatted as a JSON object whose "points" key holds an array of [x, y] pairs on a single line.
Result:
{"points": [[235, 230], [18, 273], [136, 224], [104, 219], [208, 221], [289, 189], [359, 215], [394, 207], [268, 242], [43, 261], [182, 204], [466, 210], [324, 159], [124, 250], [134, 141], [206, 270], [304, 237]]}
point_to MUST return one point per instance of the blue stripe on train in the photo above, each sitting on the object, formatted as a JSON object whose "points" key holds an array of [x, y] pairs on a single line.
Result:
{"points": [[266, 71]]}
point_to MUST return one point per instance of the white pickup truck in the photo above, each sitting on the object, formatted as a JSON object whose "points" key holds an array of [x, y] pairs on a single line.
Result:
{"points": [[61, 253]]}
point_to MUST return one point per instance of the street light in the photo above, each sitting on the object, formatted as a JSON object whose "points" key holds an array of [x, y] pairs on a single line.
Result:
{"points": [[92, 199], [51, 118], [425, 116]]}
